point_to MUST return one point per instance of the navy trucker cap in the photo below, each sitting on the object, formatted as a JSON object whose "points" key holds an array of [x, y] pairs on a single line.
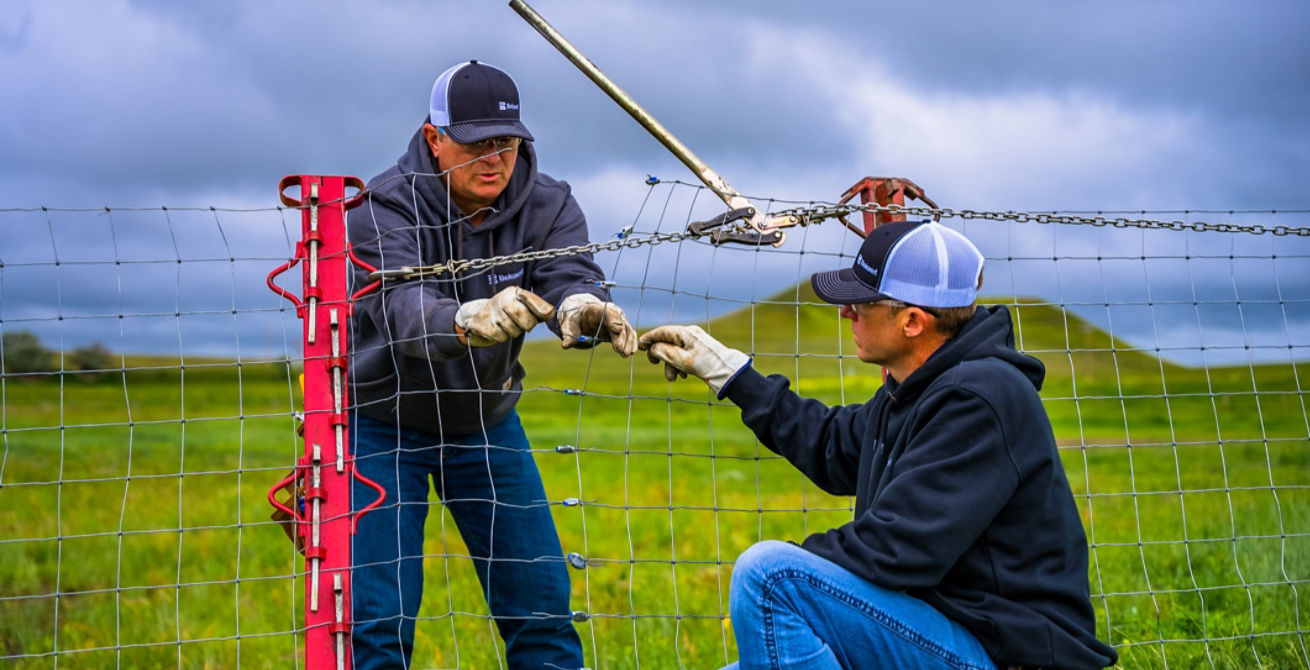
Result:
{"points": [[474, 101], [917, 262]]}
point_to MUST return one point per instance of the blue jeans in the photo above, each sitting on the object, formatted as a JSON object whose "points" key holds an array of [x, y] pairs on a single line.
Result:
{"points": [[792, 609], [493, 490]]}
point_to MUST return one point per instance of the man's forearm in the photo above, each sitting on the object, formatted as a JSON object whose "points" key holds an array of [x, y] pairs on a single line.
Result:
{"points": [[821, 441]]}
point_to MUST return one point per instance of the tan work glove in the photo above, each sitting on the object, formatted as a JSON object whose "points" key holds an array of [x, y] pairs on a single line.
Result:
{"points": [[583, 314], [292, 495], [688, 350], [501, 317]]}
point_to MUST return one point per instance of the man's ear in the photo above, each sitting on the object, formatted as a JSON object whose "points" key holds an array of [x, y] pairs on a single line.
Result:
{"points": [[430, 133], [916, 322]]}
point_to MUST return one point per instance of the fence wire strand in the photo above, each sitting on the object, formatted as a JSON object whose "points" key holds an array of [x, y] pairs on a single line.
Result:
{"points": [[1175, 343]]}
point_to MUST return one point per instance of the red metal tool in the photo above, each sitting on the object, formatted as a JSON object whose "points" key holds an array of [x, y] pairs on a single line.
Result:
{"points": [[882, 191], [320, 505]]}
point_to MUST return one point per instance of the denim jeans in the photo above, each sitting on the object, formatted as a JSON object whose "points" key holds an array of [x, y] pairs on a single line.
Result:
{"points": [[792, 609], [493, 490]]}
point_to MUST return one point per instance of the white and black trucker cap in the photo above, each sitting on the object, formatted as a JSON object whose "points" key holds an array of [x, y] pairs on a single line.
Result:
{"points": [[918, 262], [474, 101]]}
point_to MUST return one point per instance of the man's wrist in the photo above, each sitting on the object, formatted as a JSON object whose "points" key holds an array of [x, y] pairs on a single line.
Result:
{"points": [[442, 334], [747, 383], [723, 391]]}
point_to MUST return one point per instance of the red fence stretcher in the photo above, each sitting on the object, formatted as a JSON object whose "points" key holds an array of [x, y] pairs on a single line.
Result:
{"points": [[882, 191], [323, 520]]}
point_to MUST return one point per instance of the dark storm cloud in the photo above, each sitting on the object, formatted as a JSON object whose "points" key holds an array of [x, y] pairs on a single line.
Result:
{"points": [[1245, 59], [164, 98]]}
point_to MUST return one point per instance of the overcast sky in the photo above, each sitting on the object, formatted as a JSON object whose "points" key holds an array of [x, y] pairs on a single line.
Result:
{"points": [[1000, 106]]}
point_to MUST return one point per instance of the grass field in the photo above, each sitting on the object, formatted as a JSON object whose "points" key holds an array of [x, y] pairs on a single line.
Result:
{"points": [[138, 498]]}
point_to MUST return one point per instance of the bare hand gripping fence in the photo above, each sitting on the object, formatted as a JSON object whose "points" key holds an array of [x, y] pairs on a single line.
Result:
{"points": [[324, 522]]}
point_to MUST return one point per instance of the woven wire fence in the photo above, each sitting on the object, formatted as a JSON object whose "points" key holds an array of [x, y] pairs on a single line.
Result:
{"points": [[148, 400]]}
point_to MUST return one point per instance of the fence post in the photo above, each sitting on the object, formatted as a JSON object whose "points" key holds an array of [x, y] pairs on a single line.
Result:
{"points": [[322, 513]]}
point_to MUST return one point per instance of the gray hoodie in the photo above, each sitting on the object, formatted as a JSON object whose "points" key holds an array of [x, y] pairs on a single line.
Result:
{"points": [[407, 365]]}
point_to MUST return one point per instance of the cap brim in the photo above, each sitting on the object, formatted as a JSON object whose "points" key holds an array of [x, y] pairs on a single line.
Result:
{"points": [[468, 132], [842, 287]]}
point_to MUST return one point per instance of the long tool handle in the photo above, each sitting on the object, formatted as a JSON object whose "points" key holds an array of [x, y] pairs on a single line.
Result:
{"points": [[708, 176]]}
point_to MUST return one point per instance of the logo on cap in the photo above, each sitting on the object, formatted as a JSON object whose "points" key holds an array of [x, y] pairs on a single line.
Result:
{"points": [[506, 106], [864, 264]]}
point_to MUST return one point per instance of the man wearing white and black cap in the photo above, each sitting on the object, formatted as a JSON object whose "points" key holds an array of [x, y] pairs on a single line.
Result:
{"points": [[966, 549], [436, 376]]}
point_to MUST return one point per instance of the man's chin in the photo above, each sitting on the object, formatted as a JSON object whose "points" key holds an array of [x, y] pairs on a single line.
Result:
{"points": [[492, 189], [870, 358]]}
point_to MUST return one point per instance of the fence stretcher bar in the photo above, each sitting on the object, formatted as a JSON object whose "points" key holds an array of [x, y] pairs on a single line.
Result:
{"points": [[327, 531]]}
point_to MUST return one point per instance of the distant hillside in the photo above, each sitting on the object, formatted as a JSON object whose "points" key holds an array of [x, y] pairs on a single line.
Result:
{"points": [[1094, 383], [793, 327]]}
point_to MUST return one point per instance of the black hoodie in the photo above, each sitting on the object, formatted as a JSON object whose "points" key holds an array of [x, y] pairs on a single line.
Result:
{"points": [[407, 364], [960, 496]]}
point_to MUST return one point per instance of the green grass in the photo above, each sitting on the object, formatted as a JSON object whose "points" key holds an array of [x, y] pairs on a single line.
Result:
{"points": [[146, 510], [140, 500]]}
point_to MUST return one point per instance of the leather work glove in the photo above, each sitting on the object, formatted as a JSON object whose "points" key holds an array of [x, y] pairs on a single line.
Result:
{"points": [[293, 496], [688, 350], [583, 314], [501, 317]]}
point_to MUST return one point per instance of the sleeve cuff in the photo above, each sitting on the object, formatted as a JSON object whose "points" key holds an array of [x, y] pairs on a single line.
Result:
{"points": [[442, 338], [745, 376]]}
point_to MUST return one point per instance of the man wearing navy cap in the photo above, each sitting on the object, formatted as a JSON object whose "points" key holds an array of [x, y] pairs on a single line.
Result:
{"points": [[436, 376], [966, 549]]}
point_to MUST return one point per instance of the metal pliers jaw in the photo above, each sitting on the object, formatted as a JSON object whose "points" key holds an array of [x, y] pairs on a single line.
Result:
{"points": [[739, 232]]}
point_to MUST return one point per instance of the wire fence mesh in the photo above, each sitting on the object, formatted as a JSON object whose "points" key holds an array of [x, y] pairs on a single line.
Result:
{"points": [[149, 393]]}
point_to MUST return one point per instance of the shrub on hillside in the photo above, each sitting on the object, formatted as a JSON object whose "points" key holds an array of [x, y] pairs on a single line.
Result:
{"points": [[93, 356], [21, 352]]}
